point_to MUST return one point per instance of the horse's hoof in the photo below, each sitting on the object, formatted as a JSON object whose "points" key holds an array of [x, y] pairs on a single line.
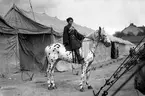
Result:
{"points": [[90, 87], [82, 90], [76, 73], [50, 88], [54, 87], [45, 75]]}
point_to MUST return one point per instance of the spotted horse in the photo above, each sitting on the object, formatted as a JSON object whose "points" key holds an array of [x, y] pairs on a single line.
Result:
{"points": [[57, 52]]}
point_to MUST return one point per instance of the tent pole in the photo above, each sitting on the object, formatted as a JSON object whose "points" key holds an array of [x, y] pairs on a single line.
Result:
{"points": [[16, 51], [32, 9], [52, 36]]}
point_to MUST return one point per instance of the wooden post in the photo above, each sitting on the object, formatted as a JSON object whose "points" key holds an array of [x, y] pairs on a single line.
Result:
{"points": [[16, 50]]}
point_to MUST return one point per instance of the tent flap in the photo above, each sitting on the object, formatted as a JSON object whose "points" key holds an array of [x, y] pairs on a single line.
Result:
{"points": [[8, 53], [31, 48]]}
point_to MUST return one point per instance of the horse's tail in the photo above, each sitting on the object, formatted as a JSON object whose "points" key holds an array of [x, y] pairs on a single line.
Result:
{"points": [[45, 66], [46, 62], [46, 50]]}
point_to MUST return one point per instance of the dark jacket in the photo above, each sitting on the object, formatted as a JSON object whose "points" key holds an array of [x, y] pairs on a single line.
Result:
{"points": [[72, 39]]}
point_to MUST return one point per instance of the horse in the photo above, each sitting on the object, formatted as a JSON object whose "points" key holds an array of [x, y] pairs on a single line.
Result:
{"points": [[56, 52]]}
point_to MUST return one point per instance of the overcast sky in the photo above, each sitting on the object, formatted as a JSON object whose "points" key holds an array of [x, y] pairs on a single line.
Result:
{"points": [[113, 15]]}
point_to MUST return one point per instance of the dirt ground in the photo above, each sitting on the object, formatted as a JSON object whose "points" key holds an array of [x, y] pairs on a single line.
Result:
{"points": [[66, 82]]}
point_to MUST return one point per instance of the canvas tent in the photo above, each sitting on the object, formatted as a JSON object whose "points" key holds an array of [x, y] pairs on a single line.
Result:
{"points": [[32, 38], [55, 23], [8, 47]]}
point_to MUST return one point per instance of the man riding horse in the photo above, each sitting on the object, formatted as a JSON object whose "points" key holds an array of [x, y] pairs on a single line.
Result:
{"points": [[72, 40]]}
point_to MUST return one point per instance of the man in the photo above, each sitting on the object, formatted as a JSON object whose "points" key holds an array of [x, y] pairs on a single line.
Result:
{"points": [[72, 39]]}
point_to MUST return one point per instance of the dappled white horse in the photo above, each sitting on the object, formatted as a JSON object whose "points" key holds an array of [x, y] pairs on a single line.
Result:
{"points": [[57, 51]]}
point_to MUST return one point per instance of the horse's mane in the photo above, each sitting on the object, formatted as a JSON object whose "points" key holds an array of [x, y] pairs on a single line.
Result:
{"points": [[93, 35]]}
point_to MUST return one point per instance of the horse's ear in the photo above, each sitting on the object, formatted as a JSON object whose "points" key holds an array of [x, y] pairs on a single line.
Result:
{"points": [[99, 28], [99, 32]]}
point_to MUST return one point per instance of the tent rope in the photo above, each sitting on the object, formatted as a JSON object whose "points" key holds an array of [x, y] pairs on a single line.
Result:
{"points": [[32, 9]]}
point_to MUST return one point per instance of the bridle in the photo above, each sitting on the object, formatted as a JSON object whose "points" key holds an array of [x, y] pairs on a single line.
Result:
{"points": [[100, 38]]}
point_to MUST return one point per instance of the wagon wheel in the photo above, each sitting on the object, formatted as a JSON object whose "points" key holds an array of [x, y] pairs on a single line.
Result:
{"points": [[26, 75]]}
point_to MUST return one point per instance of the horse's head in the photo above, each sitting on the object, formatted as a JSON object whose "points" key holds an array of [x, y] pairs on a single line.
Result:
{"points": [[104, 38], [101, 36]]}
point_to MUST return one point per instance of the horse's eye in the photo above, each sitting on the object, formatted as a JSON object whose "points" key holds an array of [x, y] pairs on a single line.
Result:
{"points": [[104, 36]]}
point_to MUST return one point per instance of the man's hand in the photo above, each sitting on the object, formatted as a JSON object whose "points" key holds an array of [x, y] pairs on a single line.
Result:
{"points": [[72, 28], [84, 36], [66, 43]]}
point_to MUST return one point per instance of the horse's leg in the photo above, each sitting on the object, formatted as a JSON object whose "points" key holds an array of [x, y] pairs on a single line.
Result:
{"points": [[87, 63], [49, 76], [51, 84], [52, 79], [52, 73], [83, 76], [74, 71], [88, 73], [87, 79]]}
